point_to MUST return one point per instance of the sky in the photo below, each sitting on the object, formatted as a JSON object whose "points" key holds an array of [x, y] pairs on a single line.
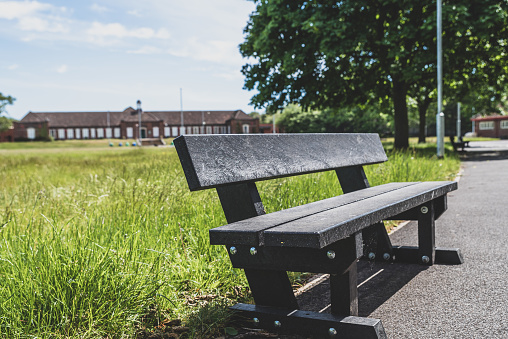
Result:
{"points": [[66, 56]]}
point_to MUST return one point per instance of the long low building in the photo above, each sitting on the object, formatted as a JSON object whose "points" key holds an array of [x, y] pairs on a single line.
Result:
{"points": [[125, 124]]}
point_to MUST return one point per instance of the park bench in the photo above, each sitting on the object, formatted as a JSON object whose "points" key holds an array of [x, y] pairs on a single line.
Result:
{"points": [[459, 145], [327, 236]]}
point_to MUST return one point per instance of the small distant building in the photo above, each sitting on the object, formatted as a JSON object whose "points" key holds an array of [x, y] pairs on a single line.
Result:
{"points": [[7, 135], [491, 126], [268, 128], [125, 124]]}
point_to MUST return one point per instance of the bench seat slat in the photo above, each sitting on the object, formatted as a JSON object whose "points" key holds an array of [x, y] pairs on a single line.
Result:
{"points": [[250, 231], [329, 226], [322, 228]]}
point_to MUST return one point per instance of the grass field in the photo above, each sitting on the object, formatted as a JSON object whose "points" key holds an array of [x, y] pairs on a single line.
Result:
{"points": [[103, 242]]}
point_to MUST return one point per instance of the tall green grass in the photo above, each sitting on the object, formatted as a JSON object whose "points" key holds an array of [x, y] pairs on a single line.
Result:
{"points": [[98, 243]]}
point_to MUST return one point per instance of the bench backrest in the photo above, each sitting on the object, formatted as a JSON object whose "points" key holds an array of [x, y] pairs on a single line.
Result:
{"points": [[217, 160]]}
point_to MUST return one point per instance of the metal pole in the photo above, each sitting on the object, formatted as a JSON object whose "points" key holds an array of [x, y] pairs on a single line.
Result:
{"points": [[273, 123], [108, 123], [182, 130], [139, 116], [458, 121], [440, 130]]}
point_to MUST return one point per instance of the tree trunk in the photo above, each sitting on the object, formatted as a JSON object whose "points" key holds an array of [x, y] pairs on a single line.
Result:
{"points": [[423, 106], [399, 97]]}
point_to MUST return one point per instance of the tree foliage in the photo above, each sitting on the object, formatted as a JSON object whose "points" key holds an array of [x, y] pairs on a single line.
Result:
{"points": [[333, 54], [5, 122], [295, 119]]}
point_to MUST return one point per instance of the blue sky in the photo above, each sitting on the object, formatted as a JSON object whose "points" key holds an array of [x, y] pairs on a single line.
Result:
{"points": [[105, 55]]}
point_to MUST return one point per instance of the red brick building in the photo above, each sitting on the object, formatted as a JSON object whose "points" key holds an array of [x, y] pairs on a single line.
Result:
{"points": [[7, 135], [492, 126], [125, 124]]}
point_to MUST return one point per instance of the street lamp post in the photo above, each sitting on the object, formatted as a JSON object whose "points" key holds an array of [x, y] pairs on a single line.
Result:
{"points": [[139, 116], [440, 128]]}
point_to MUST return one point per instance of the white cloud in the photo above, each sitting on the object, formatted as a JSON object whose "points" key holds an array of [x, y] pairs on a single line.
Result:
{"points": [[34, 16], [13, 67], [62, 69], [117, 30], [34, 24], [98, 8], [16, 10], [214, 50]]}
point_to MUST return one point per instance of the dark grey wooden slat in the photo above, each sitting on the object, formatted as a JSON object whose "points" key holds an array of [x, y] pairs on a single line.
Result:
{"points": [[250, 231], [322, 229], [217, 160], [306, 322]]}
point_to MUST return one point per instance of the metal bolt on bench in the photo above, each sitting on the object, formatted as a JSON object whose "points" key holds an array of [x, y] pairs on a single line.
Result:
{"points": [[327, 236]]}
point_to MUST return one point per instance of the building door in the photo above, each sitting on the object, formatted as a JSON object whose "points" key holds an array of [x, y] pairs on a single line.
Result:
{"points": [[143, 133]]}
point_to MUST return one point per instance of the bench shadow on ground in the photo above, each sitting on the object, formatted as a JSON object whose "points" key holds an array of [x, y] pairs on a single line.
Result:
{"points": [[479, 155], [378, 282]]}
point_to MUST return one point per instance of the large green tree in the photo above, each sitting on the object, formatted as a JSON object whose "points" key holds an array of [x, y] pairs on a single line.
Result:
{"points": [[333, 54], [5, 122]]}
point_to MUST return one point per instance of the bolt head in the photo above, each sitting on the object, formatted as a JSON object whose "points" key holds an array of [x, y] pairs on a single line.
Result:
{"points": [[387, 256], [372, 256], [253, 251], [425, 259], [424, 209], [330, 254], [233, 250], [277, 323], [332, 332], [256, 320]]}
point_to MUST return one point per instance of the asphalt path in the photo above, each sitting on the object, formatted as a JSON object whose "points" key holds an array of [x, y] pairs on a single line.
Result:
{"points": [[447, 301]]}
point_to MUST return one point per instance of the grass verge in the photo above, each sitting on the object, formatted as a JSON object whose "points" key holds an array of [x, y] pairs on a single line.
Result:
{"points": [[109, 243]]}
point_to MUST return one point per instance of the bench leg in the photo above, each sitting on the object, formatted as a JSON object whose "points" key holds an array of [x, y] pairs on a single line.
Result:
{"points": [[376, 243], [426, 234], [344, 292], [271, 288]]}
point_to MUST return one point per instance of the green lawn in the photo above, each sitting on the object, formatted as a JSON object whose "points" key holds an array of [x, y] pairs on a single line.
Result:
{"points": [[101, 241]]}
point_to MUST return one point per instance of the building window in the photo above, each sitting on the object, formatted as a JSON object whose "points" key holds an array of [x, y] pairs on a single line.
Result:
{"points": [[195, 130], [189, 130], [245, 128], [202, 130], [52, 132], [130, 132], [100, 133], [504, 124], [174, 131], [182, 130], [486, 125], [156, 132], [92, 133], [85, 133], [216, 130], [70, 133], [78, 133], [208, 129], [30, 133], [61, 133], [109, 133], [117, 132], [167, 132]]}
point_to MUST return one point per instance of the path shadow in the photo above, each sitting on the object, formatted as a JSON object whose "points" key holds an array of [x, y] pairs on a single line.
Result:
{"points": [[486, 155], [378, 282]]}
